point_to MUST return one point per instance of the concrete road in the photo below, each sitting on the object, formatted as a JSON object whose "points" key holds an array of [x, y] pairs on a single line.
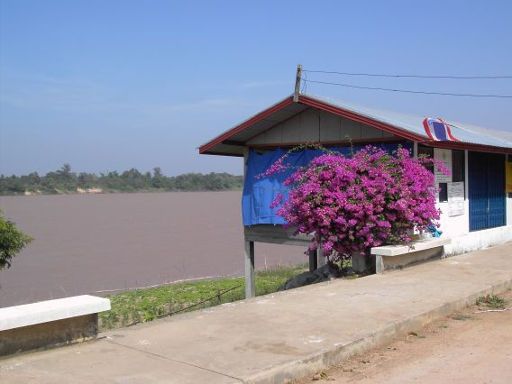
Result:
{"points": [[278, 337]]}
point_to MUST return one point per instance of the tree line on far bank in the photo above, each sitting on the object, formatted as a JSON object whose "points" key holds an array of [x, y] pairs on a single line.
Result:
{"points": [[66, 181]]}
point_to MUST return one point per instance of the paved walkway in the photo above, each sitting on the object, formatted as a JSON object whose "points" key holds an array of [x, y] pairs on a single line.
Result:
{"points": [[276, 337]]}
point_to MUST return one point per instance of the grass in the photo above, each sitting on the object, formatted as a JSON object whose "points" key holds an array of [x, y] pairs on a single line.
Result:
{"points": [[144, 305], [491, 301]]}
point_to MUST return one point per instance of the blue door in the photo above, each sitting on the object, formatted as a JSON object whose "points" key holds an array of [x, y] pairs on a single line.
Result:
{"points": [[486, 184]]}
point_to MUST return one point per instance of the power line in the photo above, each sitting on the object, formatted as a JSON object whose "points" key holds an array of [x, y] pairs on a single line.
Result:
{"points": [[452, 77], [411, 91]]}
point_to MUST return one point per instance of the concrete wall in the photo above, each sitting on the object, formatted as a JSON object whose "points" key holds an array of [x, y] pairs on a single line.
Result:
{"points": [[50, 334], [472, 241], [317, 126], [457, 227]]}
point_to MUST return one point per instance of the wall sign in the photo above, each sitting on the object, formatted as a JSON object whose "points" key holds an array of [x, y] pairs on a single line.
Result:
{"points": [[444, 155], [455, 198]]}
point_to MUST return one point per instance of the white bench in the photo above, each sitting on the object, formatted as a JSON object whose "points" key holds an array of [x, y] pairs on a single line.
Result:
{"points": [[50, 323], [398, 256]]}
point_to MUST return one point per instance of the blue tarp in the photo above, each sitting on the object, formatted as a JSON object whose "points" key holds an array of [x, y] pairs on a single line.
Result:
{"points": [[260, 192]]}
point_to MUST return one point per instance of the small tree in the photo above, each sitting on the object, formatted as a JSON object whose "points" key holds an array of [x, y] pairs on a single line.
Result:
{"points": [[12, 241], [353, 204]]}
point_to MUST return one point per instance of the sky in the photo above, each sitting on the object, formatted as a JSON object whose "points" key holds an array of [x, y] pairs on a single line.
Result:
{"points": [[111, 85]]}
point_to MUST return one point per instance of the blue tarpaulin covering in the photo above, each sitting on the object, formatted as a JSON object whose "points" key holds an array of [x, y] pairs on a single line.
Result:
{"points": [[260, 192]]}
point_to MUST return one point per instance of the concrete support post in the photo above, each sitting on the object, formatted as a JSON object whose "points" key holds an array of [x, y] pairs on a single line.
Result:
{"points": [[250, 286], [312, 261], [359, 262], [379, 264], [320, 254]]}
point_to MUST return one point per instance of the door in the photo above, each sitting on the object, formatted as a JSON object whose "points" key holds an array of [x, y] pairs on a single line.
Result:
{"points": [[486, 184]]}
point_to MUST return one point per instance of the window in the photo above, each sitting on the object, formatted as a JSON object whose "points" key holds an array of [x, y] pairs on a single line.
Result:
{"points": [[443, 192], [458, 166]]}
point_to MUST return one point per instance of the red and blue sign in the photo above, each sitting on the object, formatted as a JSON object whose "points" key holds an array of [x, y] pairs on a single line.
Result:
{"points": [[438, 130]]}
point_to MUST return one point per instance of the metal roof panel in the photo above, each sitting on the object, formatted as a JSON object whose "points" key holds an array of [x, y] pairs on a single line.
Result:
{"points": [[403, 125], [466, 133]]}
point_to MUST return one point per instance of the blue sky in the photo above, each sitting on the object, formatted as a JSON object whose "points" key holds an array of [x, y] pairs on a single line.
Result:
{"points": [[110, 85]]}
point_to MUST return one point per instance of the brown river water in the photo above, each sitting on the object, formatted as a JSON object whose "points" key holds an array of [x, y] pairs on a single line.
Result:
{"points": [[97, 243]]}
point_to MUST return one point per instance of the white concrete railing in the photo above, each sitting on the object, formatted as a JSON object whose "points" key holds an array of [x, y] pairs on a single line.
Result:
{"points": [[417, 251], [50, 323], [51, 310]]}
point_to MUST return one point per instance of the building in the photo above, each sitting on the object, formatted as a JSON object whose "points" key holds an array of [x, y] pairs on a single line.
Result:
{"points": [[476, 200]]}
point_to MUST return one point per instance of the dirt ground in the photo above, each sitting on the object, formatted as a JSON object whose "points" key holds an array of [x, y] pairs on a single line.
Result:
{"points": [[466, 347]]}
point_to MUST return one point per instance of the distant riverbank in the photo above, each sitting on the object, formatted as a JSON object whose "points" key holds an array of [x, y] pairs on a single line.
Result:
{"points": [[64, 181], [97, 191]]}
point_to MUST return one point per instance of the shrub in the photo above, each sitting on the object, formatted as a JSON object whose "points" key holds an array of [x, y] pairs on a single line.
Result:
{"points": [[367, 200], [12, 241]]}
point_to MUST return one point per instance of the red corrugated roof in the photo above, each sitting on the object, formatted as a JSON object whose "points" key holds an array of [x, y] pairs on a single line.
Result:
{"points": [[227, 143]]}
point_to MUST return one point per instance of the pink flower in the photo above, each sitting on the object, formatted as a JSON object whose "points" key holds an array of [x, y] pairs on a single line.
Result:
{"points": [[352, 204]]}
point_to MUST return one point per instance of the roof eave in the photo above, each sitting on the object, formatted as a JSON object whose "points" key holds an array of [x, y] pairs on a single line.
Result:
{"points": [[206, 148]]}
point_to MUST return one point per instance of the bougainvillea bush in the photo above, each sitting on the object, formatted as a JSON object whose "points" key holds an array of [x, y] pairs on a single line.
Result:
{"points": [[353, 203]]}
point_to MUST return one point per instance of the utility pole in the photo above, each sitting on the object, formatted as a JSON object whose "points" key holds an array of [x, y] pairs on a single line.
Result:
{"points": [[298, 77]]}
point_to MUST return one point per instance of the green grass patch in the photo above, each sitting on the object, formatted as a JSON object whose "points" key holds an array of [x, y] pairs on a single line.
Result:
{"points": [[144, 305], [491, 301]]}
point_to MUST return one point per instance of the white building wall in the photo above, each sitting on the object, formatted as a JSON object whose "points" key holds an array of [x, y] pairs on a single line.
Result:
{"points": [[473, 241], [462, 240], [457, 227], [453, 226]]}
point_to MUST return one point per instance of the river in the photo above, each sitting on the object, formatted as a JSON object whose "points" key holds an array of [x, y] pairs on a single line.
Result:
{"points": [[98, 243]]}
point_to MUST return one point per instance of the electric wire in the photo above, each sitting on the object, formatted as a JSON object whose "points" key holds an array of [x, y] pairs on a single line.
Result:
{"points": [[476, 95], [451, 77]]}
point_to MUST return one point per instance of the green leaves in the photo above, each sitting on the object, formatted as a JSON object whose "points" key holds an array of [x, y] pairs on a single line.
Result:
{"points": [[12, 241], [143, 305]]}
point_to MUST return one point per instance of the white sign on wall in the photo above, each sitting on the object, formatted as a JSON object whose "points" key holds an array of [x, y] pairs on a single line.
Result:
{"points": [[444, 155], [455, 198]]}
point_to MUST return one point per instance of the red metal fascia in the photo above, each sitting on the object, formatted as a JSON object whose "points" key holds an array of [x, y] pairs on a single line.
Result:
{"points": [[359, 118], [239, 128], [222, 154]]}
